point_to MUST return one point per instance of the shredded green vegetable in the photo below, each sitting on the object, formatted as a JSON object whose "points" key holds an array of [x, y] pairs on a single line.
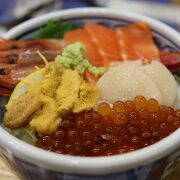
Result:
{"points": [[26, 133]]}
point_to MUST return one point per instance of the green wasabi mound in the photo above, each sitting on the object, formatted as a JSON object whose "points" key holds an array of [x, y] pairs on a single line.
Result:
{"points": [[73, 58]]}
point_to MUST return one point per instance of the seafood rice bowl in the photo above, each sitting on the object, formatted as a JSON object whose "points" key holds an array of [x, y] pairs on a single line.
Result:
{"points": [[90, 96]]}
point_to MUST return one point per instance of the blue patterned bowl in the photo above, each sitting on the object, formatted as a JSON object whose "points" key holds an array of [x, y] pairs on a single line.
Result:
{"points": [[150, 163]]}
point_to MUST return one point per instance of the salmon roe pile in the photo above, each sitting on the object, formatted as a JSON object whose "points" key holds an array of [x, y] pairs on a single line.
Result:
{"points": [[124, 127]]}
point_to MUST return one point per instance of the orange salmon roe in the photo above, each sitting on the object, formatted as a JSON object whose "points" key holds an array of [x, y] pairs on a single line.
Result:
{"points": [[152, 105], [125, 127], [104, 108], [119, 106], [140, 102]]}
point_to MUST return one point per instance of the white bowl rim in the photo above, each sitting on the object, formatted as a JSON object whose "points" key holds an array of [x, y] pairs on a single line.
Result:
{"points": [[90, 165]]}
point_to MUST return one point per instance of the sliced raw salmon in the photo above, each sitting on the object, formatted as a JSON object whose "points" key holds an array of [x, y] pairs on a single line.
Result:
{"points": [[136, 42], [105, 41], [81, 35], [91, 78], [125, 43]]}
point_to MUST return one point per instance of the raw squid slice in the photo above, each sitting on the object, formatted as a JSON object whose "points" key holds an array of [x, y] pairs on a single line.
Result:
{"points": [[126, 81], [164, 80]]}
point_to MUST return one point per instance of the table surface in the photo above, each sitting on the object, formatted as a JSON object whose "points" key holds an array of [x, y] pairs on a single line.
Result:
{"points": [[7, 174]]}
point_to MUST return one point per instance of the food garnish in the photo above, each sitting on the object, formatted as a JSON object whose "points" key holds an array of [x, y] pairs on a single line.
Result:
{"points": [[26, 134], [55, 29], [73, 58]]}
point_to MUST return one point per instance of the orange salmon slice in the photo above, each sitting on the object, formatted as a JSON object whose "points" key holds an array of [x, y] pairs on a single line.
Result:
{"points": [[136, 42], [81, 35], [105, 41]]}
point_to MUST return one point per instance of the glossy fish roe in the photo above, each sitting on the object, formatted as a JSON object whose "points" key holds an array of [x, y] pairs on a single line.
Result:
{"points": [[104, 108], [124, 127]]}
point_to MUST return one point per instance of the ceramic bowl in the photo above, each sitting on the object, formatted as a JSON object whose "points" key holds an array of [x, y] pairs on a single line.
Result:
{"points": [[150, 163]]}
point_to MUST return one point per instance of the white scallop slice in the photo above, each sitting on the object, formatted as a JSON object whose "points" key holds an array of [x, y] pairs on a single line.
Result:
{"points": [[164, 80], [125, 81]]}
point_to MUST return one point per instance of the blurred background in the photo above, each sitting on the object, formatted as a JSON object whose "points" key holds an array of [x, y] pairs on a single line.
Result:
{"points": [[13, 12]]}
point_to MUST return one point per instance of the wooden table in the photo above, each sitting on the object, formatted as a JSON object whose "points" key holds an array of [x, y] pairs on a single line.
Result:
{"points": [[6, 173]]}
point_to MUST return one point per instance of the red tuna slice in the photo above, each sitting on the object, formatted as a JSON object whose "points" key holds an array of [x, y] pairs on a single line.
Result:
{"points": [[81, 35], [136, 42], [105, 41], [171, 60]]}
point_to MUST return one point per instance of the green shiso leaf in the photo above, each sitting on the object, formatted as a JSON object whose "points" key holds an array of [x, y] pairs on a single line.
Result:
{"points": [[55, 30]]}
